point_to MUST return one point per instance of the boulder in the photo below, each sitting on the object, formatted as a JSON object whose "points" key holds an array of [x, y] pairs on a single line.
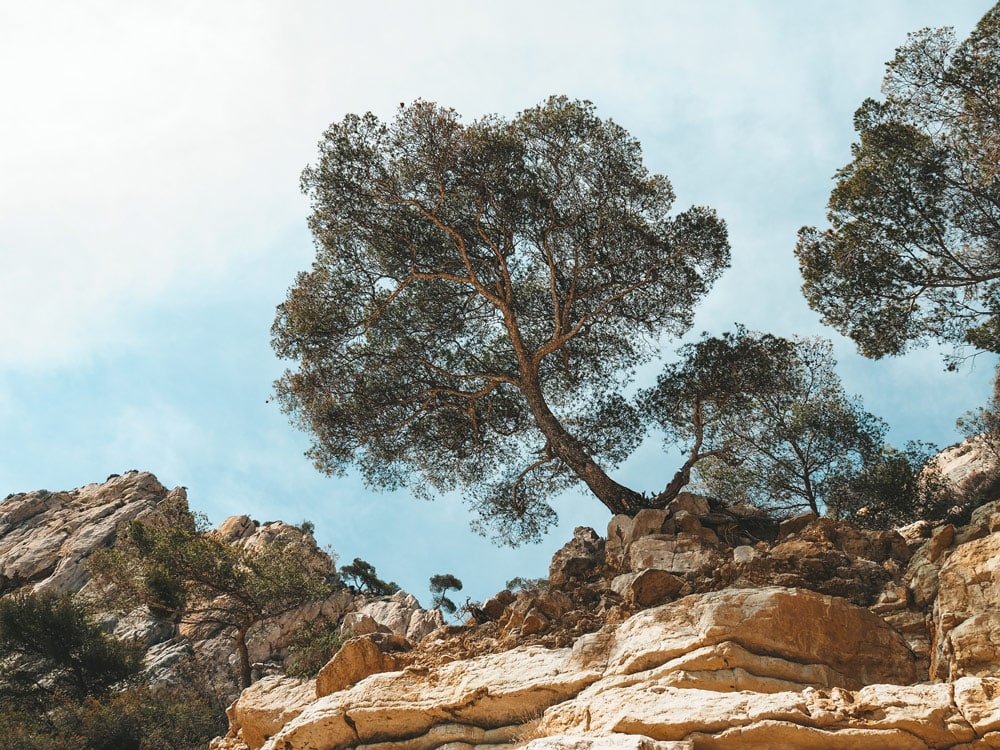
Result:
{"points": [[579, 561], [696, 505], [681, 554], [362, 657], [266, 706], [494, 607], [647, 588], [795, 625], [361, 623]]}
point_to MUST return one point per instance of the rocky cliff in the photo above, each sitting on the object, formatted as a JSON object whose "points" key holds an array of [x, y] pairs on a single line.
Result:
{"points": [[46, 539], [694, 627], [698, 626]]}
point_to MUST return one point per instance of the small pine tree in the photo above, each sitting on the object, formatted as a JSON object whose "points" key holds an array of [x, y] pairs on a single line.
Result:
{"points": [[362, 578], [440, 585]]}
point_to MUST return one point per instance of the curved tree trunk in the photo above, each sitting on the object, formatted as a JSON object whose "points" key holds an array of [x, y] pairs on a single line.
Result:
{"points": [[616, 497], [683, 477]]}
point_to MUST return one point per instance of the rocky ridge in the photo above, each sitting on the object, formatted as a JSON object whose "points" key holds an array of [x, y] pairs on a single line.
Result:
{"points": [[46, 539], [697, 626], [692, 627]]}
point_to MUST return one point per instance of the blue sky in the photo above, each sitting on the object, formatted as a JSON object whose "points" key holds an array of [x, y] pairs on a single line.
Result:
{"points": [[152, 221]]}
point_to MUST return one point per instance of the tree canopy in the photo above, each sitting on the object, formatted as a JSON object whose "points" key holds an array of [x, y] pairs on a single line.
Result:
{"points": [[440, 585], [481, 294], [361, 576], [912, 253], [763, 419], [171, 564]]}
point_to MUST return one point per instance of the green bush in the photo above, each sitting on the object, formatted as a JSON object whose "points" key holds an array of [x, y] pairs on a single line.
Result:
{"points": [[312, 645], [901, 486]]}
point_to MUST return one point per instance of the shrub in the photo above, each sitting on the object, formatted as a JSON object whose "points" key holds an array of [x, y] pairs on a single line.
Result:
{"points": [[312, 645]]}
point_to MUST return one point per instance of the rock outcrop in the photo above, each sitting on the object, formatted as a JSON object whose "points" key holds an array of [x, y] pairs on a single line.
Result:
{"points": [[685, 628], [696, 626], [46, 539]]}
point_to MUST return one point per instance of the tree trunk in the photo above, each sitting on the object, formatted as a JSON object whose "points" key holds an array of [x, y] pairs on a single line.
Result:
{"points": [[683, 477], [246, 677], [616, 497]]}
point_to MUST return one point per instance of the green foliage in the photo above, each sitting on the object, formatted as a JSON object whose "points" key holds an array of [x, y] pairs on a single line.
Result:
{"points": [[983, 424], [480, 296], [530, 585], [763, 419], [910, 255], [896, 488], [176, 569], [362, 578], [312, 645], [440, 585], [49, 647], [65, 683], [718, 384], [138, 718]]}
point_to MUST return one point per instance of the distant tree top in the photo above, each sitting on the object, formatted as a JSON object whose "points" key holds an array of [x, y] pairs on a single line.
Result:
{"points": [[911, 253]]}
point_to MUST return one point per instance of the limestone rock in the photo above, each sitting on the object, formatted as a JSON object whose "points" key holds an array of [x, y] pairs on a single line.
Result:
{"points": [[880, 716], [647, 588], [493, 691], [965, 461], [422, 623], [401, 614], [611, 742], [822, 555], [689, 502], [359, 658], [235, 528], [46, 537], [680, 554], [266, 706], [794, 525], [361, 623], [967, 611], [161, 660], [580, 560], [494, 607], [795, 625]]}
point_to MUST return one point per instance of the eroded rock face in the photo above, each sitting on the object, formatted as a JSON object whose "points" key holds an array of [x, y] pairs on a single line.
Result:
{"points": [[704, 651], [966, 612], [498, 693], [46, 537], [665, 673], [793, 625]]}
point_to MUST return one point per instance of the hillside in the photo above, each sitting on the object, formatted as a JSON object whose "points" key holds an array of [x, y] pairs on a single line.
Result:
{"points": [[698, 626]]}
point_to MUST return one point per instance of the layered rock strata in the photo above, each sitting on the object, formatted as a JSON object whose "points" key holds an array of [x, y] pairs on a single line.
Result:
{"points": [[697, 649]]}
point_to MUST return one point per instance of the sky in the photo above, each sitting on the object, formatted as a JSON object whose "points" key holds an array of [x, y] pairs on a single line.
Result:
{"points": [[151, 220]]}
